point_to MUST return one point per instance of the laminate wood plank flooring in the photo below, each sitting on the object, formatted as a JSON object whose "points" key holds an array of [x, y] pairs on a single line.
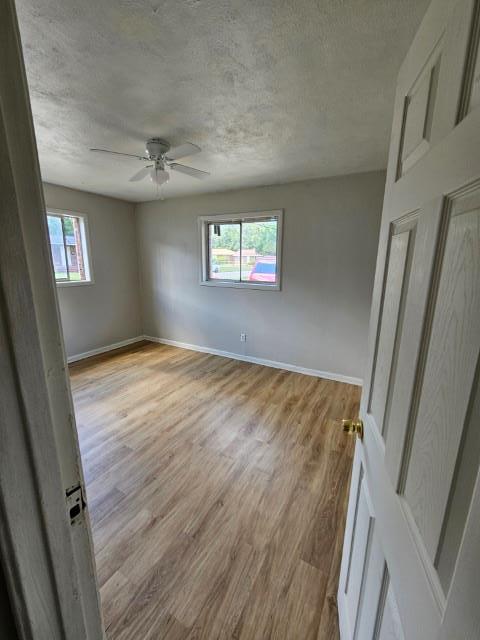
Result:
{"points": [[217, 491]]}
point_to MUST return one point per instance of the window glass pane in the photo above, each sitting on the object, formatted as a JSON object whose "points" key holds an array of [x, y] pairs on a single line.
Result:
{"points": [[224, 251], [57, 248], [73, 241], [69, 255], [259, 251]]}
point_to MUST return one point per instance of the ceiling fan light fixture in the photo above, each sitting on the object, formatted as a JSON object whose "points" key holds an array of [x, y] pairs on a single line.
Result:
{"points": [[159, 176]]}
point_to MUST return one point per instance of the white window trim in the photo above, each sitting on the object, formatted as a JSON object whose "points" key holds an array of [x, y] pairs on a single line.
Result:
{"points": [[204, 221], [84, 230]]}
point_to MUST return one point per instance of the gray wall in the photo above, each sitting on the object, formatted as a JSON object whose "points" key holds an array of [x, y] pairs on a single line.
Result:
{"points": [[319, 320], [107, 311]]}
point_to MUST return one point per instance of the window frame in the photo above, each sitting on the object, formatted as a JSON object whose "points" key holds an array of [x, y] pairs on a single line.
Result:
{"points": [[85, 237], [234, 218]]}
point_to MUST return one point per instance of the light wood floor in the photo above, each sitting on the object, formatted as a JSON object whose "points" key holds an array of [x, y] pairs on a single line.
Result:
{"points": [[217, 492]]}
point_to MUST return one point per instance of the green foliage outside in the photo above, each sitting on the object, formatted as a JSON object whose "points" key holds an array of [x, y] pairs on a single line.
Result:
{"points": [[68, 226], [261, 236]]}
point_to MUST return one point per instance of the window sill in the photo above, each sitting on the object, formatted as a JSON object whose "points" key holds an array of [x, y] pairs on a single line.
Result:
{"points": [[74, 283], [240, 285]]}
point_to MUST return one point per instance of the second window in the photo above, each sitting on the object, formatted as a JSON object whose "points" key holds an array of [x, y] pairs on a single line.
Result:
{"points": [[242, 250]]}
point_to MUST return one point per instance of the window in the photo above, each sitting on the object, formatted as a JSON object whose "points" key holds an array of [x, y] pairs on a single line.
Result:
{"points": [[68, 244], [242, 250]]}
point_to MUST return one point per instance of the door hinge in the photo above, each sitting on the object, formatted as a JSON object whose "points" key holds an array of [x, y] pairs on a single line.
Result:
{"points": [[75, 503]]}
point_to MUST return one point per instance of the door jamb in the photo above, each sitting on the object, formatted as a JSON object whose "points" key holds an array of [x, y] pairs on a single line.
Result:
{"points": [[47, 557]]}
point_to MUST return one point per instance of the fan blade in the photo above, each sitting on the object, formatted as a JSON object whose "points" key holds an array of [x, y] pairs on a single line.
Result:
{"points": [[182, 151], [117, 153], [159, 176], [140, 175], [189, 171]]}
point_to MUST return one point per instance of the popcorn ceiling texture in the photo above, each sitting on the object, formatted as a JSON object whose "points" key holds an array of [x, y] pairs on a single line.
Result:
{"points": [[272, 90]]}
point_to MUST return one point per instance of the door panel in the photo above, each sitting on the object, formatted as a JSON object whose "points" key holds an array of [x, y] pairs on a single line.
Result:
{"points": [[449, 373], [372, 603], [460, 497], [403, 379], [360, 528], [471, 90], [474, 101], [390, 625], [418, 113], [400, 246], [361, 542], [456, 50], [411, 556], [432, 82]]}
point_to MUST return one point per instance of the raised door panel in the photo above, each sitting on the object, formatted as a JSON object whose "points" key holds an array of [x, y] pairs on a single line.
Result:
{"points": [[390, 625], [418, 113], [357, 552], [373, 612], [432, 94], [389, 324], [448, 374], [462, 614], [375, 588], [451, 81], [471, 88], [407, 277], [404, 383], [460, 498], [361, 536], [475, 93]]}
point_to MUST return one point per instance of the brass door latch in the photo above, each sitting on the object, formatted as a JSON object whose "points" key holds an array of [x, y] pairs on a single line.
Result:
{"points": [[353, 427]]}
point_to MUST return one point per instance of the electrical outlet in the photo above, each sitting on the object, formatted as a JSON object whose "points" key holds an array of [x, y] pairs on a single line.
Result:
{"points": [[243, 337]]}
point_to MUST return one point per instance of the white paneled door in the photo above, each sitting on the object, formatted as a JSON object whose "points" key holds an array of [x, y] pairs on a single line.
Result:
{"points": [[411, 557]]}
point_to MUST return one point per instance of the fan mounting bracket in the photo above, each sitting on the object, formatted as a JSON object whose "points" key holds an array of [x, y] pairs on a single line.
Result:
{"points": [[156, 148]]}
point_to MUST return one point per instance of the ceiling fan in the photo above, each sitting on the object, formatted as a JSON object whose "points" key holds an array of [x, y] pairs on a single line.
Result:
{"points": [[162, 157]]}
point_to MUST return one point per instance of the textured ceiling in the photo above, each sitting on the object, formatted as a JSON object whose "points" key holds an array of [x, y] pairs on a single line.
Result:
{"points": [[272, 90]]}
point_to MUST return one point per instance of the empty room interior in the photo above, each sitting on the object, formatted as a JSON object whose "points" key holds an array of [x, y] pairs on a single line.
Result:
{"points": [[240, 320]]}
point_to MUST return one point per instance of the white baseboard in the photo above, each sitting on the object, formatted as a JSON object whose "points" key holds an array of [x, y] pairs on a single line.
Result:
{"points": [[338, 377], [108, 347]]}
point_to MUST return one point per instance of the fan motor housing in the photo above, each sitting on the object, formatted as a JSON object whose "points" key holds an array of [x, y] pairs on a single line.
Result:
{"points": [[156, 148]]}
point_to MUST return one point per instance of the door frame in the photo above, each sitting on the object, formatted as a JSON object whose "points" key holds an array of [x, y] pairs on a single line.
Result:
{"points": [[46, 550]]}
